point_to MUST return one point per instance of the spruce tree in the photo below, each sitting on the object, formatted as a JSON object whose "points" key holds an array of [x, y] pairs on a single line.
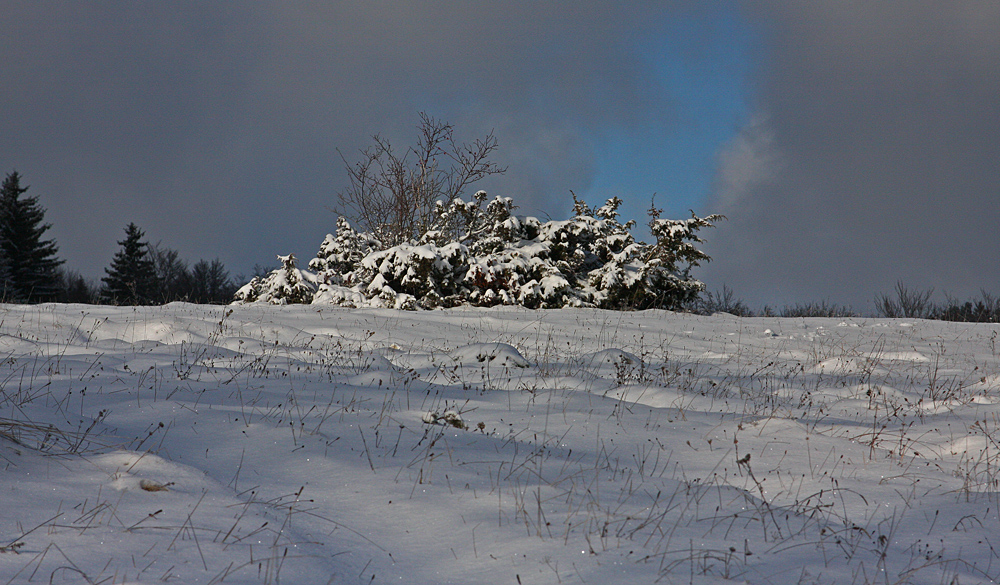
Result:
{"points": [[30, 267], [131, 278], [172, 273], [75, 288], [211, 283]]}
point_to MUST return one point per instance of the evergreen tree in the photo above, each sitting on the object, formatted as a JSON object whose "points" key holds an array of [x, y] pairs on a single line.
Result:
{"points": [[284, 286], [30, 267], [74, 288], [131, 278], [172, 273], [6, 289], [211, 283]]}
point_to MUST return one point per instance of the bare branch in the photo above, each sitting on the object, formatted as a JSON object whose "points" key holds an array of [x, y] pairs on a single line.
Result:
{"points": [[393, 197]]}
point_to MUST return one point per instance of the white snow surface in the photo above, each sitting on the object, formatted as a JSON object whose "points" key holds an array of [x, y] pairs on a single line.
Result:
{"points": [[320, 444]]}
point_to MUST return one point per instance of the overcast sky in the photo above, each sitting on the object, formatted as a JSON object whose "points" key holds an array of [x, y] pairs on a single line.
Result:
{"points": [[851, 144]]}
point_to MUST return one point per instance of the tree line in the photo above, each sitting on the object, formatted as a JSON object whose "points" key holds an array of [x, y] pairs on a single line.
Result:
{"points": [[139, 273]]}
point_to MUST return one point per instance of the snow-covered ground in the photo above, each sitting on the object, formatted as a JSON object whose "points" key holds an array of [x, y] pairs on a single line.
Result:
{"points": [[263, 444]]}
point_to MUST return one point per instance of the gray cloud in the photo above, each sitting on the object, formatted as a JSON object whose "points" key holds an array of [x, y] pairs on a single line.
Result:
{"points": [[874, 155], [215, 125], [871, 155]]}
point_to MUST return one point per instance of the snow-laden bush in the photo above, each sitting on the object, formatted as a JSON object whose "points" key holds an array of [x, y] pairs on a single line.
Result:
{"points": [[284, 286], [478, 252], [340, 253]]}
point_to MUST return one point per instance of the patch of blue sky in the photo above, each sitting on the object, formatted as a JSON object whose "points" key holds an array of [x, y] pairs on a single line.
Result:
{"points": [[703, 65]]}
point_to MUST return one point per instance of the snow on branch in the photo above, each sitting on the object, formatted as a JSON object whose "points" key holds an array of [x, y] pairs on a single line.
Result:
{"points": [[479, 253]]}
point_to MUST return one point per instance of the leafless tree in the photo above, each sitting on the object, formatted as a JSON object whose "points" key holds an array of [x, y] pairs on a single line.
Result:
{"points": [[393, 195], [911, 304]]}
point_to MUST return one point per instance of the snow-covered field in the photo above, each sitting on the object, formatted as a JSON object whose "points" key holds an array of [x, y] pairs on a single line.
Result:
{"points": [[262, 444]]}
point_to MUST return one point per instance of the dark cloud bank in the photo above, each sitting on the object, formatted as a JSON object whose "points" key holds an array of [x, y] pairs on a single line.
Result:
{"points": [[215, 125], [873, 156]]}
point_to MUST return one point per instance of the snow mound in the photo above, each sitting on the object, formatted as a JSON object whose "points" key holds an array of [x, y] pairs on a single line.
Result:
{"points": [[611, 357], [494, 354], [842, 365], [986, 384], [614, 364], [128, 470], [449, 418], [365, 361], [376, 360], [331, 294], [904, 356], [646, 395]]}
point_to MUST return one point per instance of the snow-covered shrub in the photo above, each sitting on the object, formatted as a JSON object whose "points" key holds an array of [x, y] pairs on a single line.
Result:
{"points": [[340, 254], [424, 271], [478, 252], [662, 276], [284, 286]]}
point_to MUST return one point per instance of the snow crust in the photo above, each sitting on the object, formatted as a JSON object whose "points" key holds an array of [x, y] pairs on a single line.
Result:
{"points": [[316, 444]]}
